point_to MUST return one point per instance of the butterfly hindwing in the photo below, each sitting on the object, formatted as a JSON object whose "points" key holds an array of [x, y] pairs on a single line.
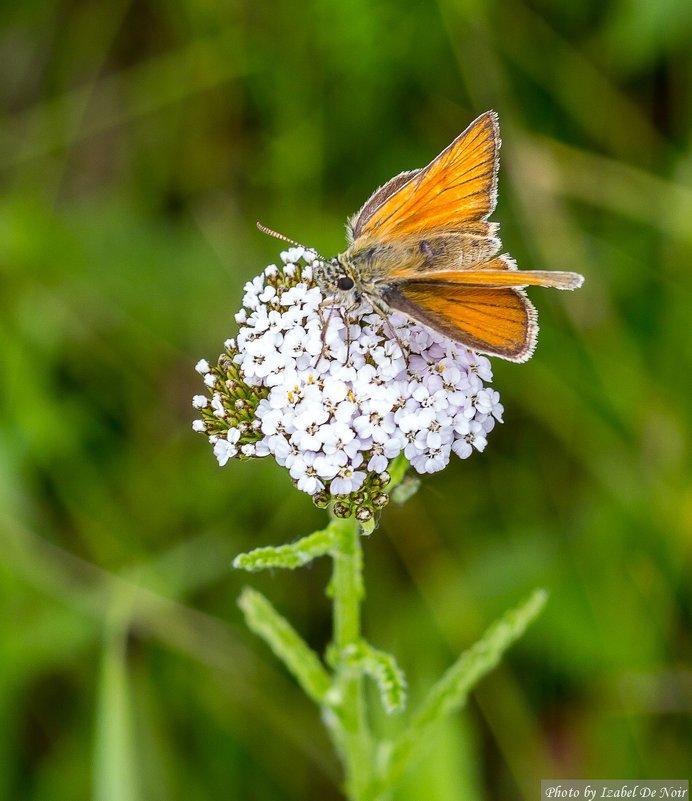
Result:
{"points": [[497, 320]]}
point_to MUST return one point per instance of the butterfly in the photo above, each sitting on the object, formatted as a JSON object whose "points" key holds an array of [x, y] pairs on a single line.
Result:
{"points": [[422, 245]]}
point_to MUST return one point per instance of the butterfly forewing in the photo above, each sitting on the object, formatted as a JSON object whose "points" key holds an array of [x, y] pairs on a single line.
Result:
{"points": [[498, 272], [457, 187], [354, 227]]}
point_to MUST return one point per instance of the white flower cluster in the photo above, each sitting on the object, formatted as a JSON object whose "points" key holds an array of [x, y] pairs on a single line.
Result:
{"points": [[337, 399]]}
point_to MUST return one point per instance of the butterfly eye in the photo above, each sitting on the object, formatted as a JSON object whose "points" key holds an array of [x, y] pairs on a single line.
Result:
{"points": [[345, 283]]}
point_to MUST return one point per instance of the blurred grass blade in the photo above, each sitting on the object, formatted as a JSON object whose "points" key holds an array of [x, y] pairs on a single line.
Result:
{"points": [[115, 771], [131, 93]]}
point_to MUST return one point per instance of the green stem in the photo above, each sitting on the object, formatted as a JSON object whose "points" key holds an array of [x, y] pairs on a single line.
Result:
{"points": [[350, 727], [371, 768]]}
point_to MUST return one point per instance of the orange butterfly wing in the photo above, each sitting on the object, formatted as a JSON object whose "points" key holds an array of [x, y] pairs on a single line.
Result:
{"points": [[457, 187], [500, 321], [497, 272]]}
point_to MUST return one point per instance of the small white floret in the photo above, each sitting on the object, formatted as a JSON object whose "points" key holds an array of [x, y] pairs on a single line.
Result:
{"points": [[224, 450]]}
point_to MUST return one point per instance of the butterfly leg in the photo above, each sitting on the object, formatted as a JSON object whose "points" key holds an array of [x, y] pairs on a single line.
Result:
{"points": [[324, 320], [385, 313], [324, 323]]}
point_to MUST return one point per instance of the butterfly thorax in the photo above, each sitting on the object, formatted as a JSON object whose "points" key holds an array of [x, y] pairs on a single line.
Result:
{"points": [[354, 274], [365, 268], [368, 265], [369, 268]]}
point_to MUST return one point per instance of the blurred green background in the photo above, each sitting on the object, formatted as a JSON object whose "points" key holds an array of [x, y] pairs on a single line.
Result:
{"points": [[139, 142]]}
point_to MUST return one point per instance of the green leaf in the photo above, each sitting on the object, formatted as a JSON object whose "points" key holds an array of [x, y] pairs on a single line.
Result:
{"points": [[451, 691], [290, 556], [385, 671], [286, 644]]}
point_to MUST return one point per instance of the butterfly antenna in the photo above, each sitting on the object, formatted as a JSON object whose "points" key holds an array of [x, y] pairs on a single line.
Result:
{"points": [[277, 235], [265, 230]]}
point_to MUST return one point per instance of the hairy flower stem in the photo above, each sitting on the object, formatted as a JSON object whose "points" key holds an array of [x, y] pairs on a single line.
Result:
{"points": [[372, 766], [352, 732]]}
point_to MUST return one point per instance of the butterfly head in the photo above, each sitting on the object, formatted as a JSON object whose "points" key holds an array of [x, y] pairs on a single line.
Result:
{"points": [[338, 279]]}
